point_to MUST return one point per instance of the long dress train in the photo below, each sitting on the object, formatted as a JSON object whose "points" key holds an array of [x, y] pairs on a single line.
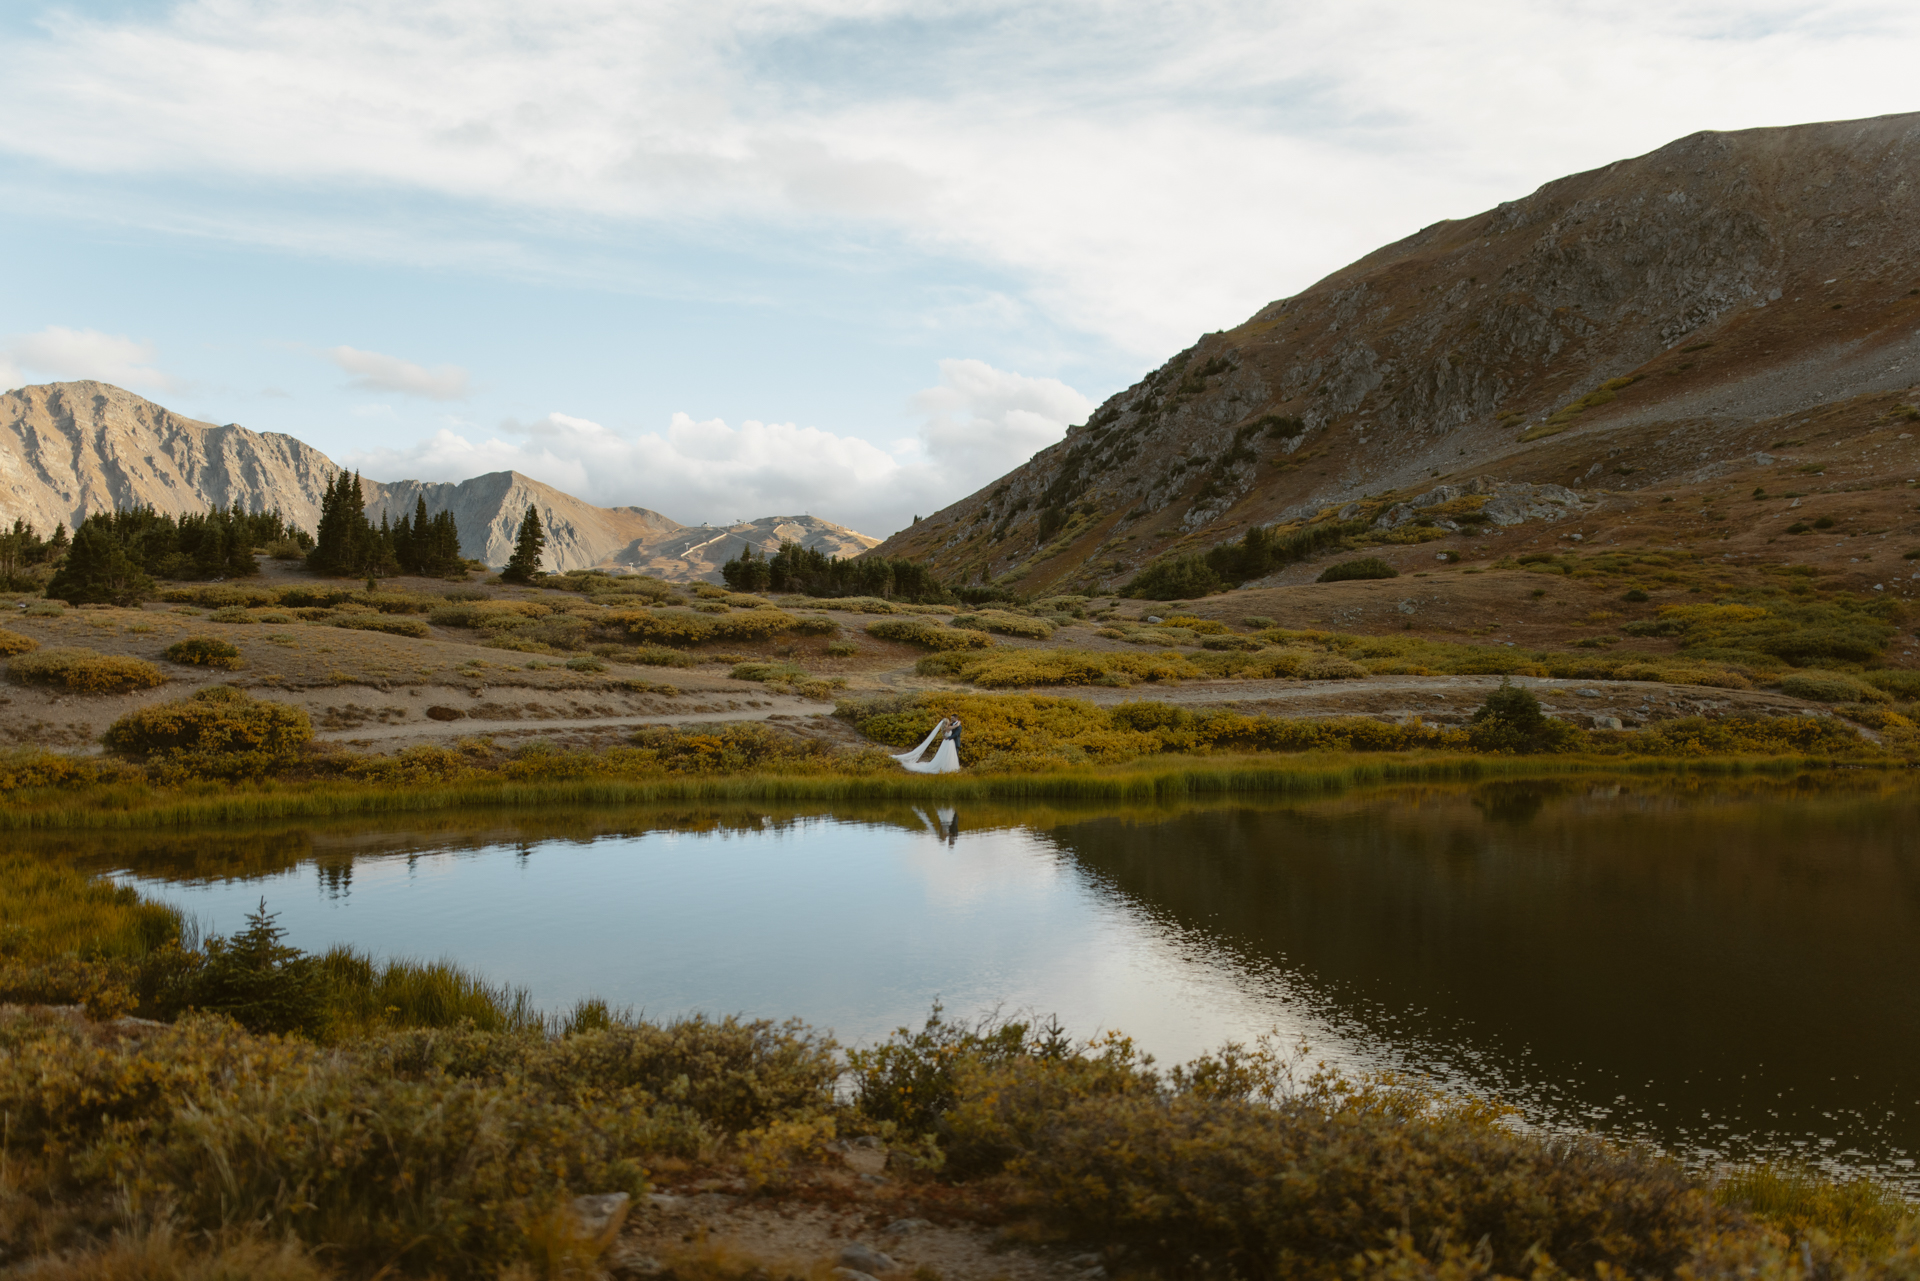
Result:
{"points": [[945, 761], [909, 757]]}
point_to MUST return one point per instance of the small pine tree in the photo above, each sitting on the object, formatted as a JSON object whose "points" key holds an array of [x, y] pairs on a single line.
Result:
{"points": [[528, 545], [260, 982]]}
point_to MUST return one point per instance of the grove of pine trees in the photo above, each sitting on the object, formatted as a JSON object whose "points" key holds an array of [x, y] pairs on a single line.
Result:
{"points": [[798, 569], [114, 556], [23, 551], [347, 544]]}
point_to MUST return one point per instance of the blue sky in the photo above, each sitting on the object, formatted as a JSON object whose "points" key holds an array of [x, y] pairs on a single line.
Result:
{"points": [[736, 258]]}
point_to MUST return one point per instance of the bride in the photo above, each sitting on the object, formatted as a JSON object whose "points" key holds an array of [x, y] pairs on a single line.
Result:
{"points": [[946, 760]]}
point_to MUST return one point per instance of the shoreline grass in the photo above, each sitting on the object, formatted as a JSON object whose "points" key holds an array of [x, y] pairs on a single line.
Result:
{"points": [[144, 805]]}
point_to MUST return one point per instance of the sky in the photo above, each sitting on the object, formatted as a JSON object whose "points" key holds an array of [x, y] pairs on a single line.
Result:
{"points": [[740, 258]]}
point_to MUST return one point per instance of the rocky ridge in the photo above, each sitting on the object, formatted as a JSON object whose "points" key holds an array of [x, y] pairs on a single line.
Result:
{"points": [[1657, 306], [70, 449]]}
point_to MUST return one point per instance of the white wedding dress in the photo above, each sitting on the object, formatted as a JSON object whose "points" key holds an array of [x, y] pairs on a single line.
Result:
{"points": [[945, 761]]}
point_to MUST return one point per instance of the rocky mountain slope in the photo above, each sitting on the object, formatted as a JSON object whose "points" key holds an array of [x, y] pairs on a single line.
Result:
{"points": [[1622, 328], [69, 449]]}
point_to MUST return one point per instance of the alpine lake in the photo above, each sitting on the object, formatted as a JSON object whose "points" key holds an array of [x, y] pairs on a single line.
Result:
{"points": [[1727, 970]]}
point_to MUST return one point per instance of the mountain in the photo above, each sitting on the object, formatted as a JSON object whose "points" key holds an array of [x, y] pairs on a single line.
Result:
{"points": [[699, 551], [69, 449], [1614, 326]]}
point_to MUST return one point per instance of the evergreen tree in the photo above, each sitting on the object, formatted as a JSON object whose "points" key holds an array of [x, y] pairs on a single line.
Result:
{"points": [[98, 570], [345, 541], [531, 541]]}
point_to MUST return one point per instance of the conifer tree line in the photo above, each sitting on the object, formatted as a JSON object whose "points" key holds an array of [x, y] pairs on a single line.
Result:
{"points": [[22, 551], [115, 556], [346, 543], [807, 570]]}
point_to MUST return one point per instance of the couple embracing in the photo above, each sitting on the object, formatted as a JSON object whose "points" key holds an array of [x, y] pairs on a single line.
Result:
{"points": [[946, 760]]}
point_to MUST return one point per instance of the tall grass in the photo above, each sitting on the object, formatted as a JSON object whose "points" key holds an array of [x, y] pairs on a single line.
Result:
{"points": [[1858, 1214], [363, 996], [143, 806]]}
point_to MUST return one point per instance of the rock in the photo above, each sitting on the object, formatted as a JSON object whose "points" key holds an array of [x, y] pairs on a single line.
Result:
{"points": [[665, 1201], [1085, 1261], [1155, 618], [864, 1258], [1607, 722], [600, 1216], [635, 1265], [903, 1227], [869, 1141]]}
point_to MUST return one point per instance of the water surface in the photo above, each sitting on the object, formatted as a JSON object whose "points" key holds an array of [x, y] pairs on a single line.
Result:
{"points": [[1725, 971]]}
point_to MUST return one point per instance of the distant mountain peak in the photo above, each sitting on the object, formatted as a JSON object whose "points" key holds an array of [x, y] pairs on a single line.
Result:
{"points": [[74, 448]]}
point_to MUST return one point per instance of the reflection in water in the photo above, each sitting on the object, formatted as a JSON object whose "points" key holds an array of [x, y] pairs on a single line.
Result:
{"points": [[1725, 972], [1730, 979]]}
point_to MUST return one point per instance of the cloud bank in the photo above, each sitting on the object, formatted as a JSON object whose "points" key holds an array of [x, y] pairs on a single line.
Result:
{"points": [[975, 423], [1142, 171], [59, 354], [375, 372]]}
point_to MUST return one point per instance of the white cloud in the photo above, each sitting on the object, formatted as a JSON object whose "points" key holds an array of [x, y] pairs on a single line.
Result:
{"points": [[375, 372], [981, 421], [1144, 171], [59, 354], [978, 422]]}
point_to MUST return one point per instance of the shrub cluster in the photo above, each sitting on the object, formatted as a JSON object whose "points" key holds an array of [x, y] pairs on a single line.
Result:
{"points": [[219, 732], [1258, 553], [205, 651], [12, 643], [1007, 624], [82, 671], [927, 635], [447, 1153], [1347, 570], [690, 627]]}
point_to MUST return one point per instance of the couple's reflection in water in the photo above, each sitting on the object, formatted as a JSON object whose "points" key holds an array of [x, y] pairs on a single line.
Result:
{"points": [[944, 823]]}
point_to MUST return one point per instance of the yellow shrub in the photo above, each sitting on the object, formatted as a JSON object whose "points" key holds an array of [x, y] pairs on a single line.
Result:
{"points": [[14, 643], [85, 672], [995, 620], [219, 719], [927, 634]]}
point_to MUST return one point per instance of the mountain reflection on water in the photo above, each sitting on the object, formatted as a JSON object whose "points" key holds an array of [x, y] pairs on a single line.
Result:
{"points": [[1725, 970]]}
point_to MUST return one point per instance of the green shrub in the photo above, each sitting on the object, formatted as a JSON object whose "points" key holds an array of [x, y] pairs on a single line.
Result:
{"points": [[204, 651], [84, 672], [842, 648], [586, 663], [12, 643], [927, 635], [411, 627], [1369, 567], [1830, 687], [1511, 721], [1635, 594], [769, 672], [232, 614]]}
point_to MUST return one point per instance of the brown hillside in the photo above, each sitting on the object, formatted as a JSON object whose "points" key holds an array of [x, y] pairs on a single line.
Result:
{"points": [[1639, 325]]}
